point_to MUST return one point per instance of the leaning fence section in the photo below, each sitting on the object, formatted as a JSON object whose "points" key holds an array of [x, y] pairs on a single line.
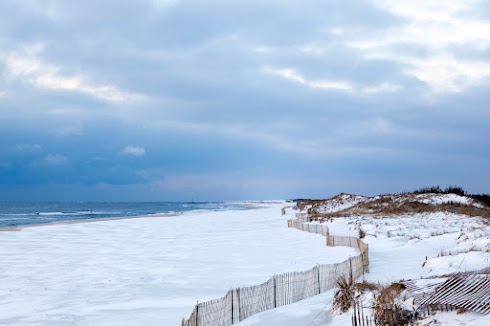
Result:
{"points": [[283, 289], [470, 291]]}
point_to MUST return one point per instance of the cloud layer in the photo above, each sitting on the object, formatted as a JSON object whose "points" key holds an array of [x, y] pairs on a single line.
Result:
{"points": [[133, 150], [219, 100]]}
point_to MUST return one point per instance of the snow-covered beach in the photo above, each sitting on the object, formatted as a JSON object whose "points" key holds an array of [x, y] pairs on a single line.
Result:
{"points": [[401, 247], [147, 271], [151, 270]]}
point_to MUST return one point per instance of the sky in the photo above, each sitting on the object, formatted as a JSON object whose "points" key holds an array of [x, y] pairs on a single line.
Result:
{"points": [[166, 100]]}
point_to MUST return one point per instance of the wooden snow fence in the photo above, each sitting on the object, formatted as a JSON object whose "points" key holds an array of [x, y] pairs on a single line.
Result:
{"points": [[301, 215], [469, 291], [280, 290], [302, 225], [388, 315]]}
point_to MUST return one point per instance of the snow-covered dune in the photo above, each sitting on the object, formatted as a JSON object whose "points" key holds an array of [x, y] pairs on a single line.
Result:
{"points": [[400, 247], [341, 202], [348, 204], [147, 271]]}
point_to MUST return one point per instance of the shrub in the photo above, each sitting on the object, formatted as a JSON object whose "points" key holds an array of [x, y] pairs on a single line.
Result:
{"points": [[367, 286], [455, 190], [483, 198], [387, 311], [344, 296], [393, 314], [438, 190], [428, 190]]}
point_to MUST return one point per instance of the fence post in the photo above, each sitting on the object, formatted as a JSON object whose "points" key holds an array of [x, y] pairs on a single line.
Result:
{"points": [[274, 292], [318, 273], [362, 314], [362, 260], [355, 315], [239, 305], [232, 306], [350, 267], [197, 313], [183, 321], [366, 253]]}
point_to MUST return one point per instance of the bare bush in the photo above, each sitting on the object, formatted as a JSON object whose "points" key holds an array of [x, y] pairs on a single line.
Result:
{"points": [[344, 296], [387, 311]]}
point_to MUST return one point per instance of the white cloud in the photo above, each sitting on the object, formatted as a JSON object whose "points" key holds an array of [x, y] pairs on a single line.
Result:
{"points": [[26, 65], [312, 49], [29, 147], [263, 49], [434, 24], [382, 126], [336, 31], [134, 150], [445, 74], [383, 88], [293, 75], [433, 10], [436, 28], [163, 4], [54, 159], [68, 130]]}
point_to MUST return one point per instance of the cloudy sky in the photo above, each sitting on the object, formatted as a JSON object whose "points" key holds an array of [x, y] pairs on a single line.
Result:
{"points": [[228, 100]]}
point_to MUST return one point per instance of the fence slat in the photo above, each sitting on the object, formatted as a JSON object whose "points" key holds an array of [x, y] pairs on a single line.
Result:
{"points": [[239, 304]]}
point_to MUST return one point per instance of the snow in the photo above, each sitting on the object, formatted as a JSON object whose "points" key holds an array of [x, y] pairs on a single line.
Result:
{"points": [[151, 271], [341, 202], [398, 248], [439, 199], [147, 271], [312, 311], [399, 245], [468, 318]]}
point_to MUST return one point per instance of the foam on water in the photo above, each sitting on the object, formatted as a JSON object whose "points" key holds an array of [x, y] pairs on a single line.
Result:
{"points": [[25, 213]]}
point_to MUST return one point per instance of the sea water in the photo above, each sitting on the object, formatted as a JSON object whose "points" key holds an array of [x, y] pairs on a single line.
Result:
{"points": [[26, 213]]}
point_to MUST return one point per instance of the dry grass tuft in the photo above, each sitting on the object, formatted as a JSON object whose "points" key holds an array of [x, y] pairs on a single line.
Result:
{"points": [[362, 233], [389, 294], [460, 311], [344, 296], [393, 315], [387, 311], [302, 204], [367, 286]]}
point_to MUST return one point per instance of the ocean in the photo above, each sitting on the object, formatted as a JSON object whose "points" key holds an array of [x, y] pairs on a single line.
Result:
{"points": [[26, 213]]}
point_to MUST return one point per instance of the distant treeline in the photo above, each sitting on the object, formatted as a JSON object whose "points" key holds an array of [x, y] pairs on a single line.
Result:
{"points": [[484, 198]]}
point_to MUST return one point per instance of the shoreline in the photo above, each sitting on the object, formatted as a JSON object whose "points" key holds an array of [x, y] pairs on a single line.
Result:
{"points": [[249, 206], [147, 271], [99, 219]]}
